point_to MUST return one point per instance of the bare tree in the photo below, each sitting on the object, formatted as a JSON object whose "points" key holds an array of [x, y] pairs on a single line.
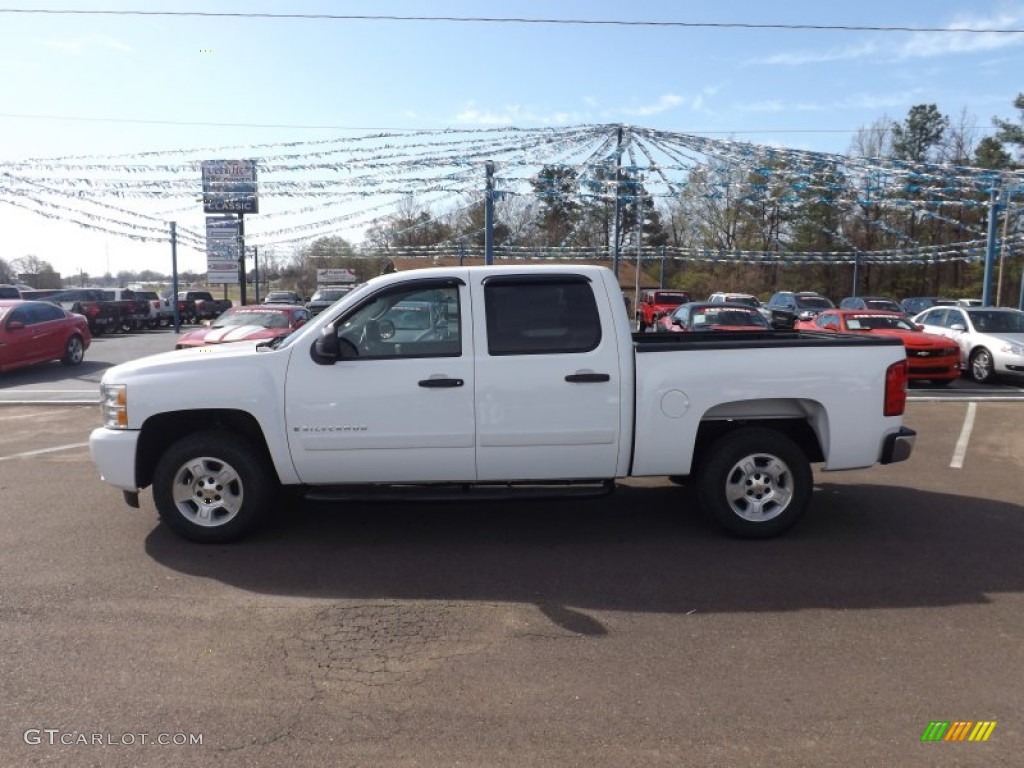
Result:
{"points": [[874, 140], [960, 141]]}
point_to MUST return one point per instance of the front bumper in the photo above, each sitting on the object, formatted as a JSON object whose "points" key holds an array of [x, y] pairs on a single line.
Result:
{"points": [[898, 446], [113, 453]]}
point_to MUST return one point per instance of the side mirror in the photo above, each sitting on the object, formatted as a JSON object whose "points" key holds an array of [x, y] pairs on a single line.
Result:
{"points": [[831, 327], [958, 327], [325, 350], [15, 325], [919, 326], [300, 322]]}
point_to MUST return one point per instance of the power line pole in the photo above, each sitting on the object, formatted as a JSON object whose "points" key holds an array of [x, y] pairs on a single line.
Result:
{"points": [[489, 214]]}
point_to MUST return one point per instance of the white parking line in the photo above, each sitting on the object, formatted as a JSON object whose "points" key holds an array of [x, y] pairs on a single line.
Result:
{"points": [[33, 415], [965, 435], [67, 447]]}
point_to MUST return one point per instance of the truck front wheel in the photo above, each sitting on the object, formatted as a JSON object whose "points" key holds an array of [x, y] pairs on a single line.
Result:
{"points": [[212, 487], [755, 482]]}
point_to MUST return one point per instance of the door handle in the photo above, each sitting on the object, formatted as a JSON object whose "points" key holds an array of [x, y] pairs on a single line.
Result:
{"points": [[587, 378], [440, 383]]}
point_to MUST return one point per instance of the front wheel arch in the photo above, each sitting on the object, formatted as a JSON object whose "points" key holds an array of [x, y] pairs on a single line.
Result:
{"points": [[163, 429]]}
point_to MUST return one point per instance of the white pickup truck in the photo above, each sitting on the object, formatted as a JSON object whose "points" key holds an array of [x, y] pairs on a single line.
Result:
{"points": [[475, 380]]}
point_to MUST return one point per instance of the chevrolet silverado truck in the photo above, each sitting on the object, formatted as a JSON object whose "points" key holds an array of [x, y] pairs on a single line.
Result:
{"points": [[467, 381]]}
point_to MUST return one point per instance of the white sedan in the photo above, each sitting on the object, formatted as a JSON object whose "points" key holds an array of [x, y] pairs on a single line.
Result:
{"points": [[991, 339]]}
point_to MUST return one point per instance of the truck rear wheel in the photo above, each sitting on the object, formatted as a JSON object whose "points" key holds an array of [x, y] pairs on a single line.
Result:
{"points": [[212, 487], [755, 482]]}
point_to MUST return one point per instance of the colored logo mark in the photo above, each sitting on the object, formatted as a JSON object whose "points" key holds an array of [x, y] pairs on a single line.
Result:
{"points": [[958, 730]]}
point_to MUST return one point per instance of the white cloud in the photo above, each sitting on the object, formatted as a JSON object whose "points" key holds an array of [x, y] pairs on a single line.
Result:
{"points": [[928, 44], [872, 101], [799, 58], [766, 105], [514, 114], [76, 45], [666, 102]]}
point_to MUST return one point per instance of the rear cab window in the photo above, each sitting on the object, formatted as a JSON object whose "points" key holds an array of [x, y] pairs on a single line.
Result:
{"points": [[540, 315]]}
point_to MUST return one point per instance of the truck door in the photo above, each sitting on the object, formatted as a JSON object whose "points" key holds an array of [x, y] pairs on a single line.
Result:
{"points": [[398, 406], [547, 388]]}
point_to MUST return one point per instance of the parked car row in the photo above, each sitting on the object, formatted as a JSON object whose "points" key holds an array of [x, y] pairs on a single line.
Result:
{"points": [[950, 338]]}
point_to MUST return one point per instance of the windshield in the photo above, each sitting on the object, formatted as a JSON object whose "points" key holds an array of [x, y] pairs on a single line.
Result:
{"points": [[885, 305], [263, 319], [329, 295], [716, 316], [750, 301], [878, 322], [997, 321], [672, 299], [813, 302]]}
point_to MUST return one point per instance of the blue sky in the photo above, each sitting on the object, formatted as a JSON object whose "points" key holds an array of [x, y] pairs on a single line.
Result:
{"points": [[134, 77]]}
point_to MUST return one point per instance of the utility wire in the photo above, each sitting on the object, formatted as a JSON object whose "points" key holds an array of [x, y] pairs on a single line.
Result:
{"points": [[517, 20]]}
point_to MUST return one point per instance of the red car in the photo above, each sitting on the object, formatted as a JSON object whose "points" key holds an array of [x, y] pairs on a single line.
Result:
{"points": [[257, 323], [700, 316], [930, 357], [37, 332], [655, 304]]}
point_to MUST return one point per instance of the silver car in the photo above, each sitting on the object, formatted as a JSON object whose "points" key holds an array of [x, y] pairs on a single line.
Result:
{"points": [[991, 339]]}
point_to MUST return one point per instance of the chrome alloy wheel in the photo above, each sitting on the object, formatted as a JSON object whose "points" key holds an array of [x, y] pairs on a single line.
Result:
{"points": [[207, 491], [759, 487]]}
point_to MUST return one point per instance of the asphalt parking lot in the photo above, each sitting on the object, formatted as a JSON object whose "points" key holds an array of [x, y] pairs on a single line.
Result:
{"points": [[616, 631]]}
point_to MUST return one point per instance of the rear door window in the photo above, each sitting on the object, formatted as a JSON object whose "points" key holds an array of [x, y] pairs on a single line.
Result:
{"points": [[536, 317]]}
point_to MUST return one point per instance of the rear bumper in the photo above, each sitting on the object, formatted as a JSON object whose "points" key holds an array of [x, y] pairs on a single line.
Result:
{"points": [[898, 446]]}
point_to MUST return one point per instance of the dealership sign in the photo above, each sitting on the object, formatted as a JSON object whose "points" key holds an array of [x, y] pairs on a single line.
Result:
{"points": [[222, 250], [331, 276], [229, 186]]}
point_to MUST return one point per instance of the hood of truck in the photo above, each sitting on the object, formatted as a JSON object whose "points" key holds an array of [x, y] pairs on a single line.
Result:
{"points": [[237, 376]]}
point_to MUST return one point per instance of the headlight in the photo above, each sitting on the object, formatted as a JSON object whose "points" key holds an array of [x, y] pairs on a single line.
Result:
{"points": [[1013, 349], [114, 402]]}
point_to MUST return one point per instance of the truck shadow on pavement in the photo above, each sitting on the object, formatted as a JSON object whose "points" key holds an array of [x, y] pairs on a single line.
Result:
{"points": [[642, 549]]}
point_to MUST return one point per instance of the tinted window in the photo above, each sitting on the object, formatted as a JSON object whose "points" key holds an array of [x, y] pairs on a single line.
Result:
{"points": [[933, 317], [532, 317], [41, 312], [19, 315], [406, 321], [9, 292], [993, 321], [813, 302]]}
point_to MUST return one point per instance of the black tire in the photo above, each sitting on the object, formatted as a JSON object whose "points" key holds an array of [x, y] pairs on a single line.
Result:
{"points": [[755, 482], [74, 351], [981, 366], [213, 487]]}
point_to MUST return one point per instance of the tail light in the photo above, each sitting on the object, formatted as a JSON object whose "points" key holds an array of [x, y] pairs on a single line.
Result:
{"points": [[895, 389]]}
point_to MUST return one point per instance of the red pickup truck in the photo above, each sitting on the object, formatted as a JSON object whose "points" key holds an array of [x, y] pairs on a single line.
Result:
{"points": [[654, 304]]}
